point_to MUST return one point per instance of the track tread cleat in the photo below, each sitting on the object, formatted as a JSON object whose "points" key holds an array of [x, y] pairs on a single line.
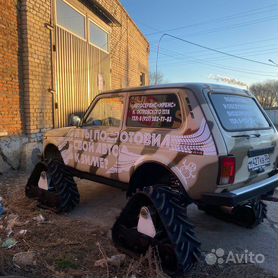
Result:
{"points": [[178, 249], [53, 186]]}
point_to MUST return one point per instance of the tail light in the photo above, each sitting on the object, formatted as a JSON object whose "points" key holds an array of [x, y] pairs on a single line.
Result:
{"points": [[227, 170]]}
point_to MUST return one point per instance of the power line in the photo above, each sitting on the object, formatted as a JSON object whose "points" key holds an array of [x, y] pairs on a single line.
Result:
{"points": [[230, 27], [201, 61], [208, 57], [232, 46], [225, 47], [232, 69], [168, 60], [225, 68], [242, 51], [234, 26], [211, 49], [225, 18], [190, 59], [246, 54], [223, 59], [205, 47]]}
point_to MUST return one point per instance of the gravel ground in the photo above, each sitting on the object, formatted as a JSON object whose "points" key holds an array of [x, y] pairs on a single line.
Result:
{"points": [[68, 245]]}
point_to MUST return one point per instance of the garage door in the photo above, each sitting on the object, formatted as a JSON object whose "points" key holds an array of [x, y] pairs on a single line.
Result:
{"points": [[82, 62]]}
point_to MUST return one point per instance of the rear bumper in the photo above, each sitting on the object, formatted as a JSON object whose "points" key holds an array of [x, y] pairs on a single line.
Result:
{"points": [[237, 196]]}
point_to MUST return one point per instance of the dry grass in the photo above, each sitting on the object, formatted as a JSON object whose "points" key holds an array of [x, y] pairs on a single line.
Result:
{"points": [[63, 247], [69, 248], [146, 266]]}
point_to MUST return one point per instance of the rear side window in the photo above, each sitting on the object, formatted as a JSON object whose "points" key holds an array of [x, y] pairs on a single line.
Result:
{"points": [[238, 113], [154, 111]]}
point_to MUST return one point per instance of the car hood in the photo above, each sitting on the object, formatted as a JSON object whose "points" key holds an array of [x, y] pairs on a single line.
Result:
{"points": [[59, 132]]}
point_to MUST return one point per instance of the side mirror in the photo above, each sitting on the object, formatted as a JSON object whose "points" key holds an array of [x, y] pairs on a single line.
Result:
{"points": [[75, 120]]}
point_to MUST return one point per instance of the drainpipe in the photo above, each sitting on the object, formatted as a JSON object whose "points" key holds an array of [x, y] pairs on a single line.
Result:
{"points": [[128, 79], [51, 28]]}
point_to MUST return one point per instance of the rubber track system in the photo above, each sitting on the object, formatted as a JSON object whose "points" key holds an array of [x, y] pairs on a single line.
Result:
{"points": [[32, 189], [251, 214], [62, 194], [247, 215], [177, 247]]}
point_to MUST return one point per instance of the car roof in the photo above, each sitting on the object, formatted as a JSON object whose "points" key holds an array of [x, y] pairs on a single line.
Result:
{"points": [[193, 86]]}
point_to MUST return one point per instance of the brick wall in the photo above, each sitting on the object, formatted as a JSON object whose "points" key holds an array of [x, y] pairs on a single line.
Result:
{"points": [[25, 72], [36, 55], [129, 49], [10, 96], [129, 57]]}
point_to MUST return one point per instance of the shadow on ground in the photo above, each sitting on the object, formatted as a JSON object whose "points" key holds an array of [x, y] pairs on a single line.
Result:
{"points": [[101, 205], [68, 245]]}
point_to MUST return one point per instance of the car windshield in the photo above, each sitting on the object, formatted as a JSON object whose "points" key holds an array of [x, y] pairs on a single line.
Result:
{"points": [[238, 113]]}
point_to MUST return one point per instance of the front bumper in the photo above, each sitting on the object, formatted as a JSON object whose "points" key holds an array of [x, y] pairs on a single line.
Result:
{"points": [[240, 195]]}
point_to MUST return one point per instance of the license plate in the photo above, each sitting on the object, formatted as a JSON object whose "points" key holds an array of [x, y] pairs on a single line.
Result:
{"points": [[258, 162]]}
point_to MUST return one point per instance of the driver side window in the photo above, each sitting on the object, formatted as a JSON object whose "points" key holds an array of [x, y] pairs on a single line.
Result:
{"points": [[106, 112]]}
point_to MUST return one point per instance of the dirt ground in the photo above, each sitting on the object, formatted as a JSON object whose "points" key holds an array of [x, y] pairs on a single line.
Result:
{"points": [[68, 245]]}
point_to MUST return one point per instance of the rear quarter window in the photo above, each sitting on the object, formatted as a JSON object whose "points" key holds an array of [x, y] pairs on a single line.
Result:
{"points": [[154, 111], [238, 113]]}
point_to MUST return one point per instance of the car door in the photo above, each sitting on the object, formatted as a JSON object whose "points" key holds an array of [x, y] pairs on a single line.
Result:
{"points": [[151, 115], [95, 143]]}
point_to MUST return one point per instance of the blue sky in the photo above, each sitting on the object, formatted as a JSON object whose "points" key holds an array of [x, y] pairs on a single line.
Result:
{"points": [[245, 28]]}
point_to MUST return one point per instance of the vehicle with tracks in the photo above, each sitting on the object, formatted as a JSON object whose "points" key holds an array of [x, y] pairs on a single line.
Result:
{"points": [[168, 146]]}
